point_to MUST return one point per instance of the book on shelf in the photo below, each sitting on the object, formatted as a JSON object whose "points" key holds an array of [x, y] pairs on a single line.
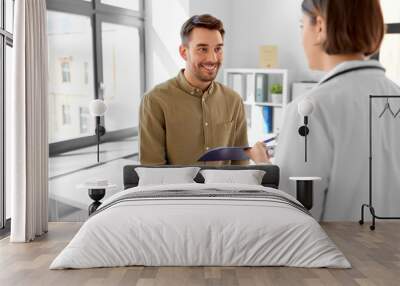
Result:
{"points": [[277, 119], [267, 112], [238, 84], [250, 88], [248, 113], [261, 88]]}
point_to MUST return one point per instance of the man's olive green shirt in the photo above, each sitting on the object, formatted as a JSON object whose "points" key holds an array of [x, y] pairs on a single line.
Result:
{"points": [[178, 122]]}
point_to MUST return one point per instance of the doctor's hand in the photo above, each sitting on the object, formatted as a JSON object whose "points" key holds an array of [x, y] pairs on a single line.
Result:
{"points": [[258, 153]]}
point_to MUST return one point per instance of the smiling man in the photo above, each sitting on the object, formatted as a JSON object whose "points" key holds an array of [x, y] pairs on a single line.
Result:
{"points": [[185, 116]]}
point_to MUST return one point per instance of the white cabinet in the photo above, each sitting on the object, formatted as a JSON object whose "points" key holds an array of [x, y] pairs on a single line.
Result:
{"points": [[264, 109]]}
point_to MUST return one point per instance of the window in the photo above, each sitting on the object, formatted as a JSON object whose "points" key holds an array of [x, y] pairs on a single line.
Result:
{"points": [[70, 58], [66, 74], [389, 54], [127, 4], [95, 51], [6, 63], [121, 75], [9, 11], [84, 120], [66, 114], [391, 11]]}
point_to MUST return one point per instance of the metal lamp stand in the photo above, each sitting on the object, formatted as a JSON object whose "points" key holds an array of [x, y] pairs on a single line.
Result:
{"points": [[100, 131]]}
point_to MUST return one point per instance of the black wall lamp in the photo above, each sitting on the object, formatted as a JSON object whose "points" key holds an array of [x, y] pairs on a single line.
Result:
{"points": [[305, 108], [97, 108]]}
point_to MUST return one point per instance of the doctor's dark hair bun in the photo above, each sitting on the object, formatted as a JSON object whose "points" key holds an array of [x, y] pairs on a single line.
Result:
{"points": [[201, 21], [352, 26]]}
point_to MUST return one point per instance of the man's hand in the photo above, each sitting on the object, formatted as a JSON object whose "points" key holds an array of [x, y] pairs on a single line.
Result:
{"points": [[258, 153]]}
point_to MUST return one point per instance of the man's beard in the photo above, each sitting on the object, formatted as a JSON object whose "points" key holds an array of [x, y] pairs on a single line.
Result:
{"points": [[207, 71]]}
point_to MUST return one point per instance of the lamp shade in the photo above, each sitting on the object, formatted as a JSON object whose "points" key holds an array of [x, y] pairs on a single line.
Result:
{"points": [[97, 107], [305, 107]]}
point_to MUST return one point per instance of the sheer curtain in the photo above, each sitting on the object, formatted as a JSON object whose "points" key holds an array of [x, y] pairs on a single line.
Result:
{"points": [[27, 143]]}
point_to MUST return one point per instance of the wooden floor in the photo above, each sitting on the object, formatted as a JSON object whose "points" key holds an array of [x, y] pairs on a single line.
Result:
{"points": [[375, 257]]}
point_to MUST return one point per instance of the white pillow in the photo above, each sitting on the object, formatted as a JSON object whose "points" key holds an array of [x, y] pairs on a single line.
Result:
{"points": [[248, 177], [166, 176]]}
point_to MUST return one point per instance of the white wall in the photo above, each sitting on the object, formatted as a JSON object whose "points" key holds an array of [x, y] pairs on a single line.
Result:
{"points": [[248, 24], [163, 23], [223, 10], [269, 22], [391, 10]]}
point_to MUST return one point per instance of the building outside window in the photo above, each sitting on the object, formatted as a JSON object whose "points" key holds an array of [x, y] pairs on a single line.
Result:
{"points": [[96, 51], [84, 120], [66, 72], [66, 114], [101, 45]]}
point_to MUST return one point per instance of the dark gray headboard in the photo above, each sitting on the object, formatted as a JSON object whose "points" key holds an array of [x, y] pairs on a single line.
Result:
{"points": [[271, 177]]}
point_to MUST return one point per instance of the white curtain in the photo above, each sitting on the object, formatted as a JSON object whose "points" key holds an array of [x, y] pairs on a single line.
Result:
{"points": [[27, 148]]}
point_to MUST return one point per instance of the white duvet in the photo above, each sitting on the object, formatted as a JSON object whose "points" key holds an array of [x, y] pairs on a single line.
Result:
{"points": [[200, 231]]}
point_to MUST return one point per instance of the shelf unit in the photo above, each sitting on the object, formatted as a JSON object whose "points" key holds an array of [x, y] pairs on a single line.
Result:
{"points": [[254, 86]]}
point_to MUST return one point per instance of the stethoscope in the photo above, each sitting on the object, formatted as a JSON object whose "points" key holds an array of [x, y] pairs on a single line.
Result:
{"points": [[305, 107], [351, 70]]}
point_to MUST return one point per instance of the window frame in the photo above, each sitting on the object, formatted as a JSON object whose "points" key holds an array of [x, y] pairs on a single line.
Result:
{"points": [[393, 28], [98, 13], [6, 39]]}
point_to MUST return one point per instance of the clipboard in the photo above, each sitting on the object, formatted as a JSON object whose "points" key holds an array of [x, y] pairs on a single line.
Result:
{"points": [[228, 153]]}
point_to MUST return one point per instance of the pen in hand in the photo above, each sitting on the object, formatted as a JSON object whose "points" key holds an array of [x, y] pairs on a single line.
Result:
{"points": [[269, 140]]}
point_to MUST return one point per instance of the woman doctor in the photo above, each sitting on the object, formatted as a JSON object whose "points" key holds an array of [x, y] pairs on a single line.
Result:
{"points": [[338, 37]]}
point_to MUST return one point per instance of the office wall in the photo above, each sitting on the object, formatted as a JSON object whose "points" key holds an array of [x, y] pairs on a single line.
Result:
{"points": [[269, 22], [223, 10], [163, 22], [249, 24]]}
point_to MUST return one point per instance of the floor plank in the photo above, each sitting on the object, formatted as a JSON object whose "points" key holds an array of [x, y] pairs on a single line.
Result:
{"points": [[375, 257]]}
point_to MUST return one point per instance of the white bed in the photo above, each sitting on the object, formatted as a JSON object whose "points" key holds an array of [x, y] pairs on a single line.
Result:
{"points": [[202, 231]]}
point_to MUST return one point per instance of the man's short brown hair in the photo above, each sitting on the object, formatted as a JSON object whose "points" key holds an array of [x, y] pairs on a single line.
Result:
{"points": [[201, 21], [352, 26]]}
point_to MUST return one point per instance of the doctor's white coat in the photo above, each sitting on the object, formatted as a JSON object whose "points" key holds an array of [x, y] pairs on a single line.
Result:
{"points": [[338, 144]]}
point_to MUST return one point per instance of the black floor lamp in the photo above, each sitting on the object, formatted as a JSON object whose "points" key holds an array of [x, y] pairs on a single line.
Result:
{"points": [[97, 108]]}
